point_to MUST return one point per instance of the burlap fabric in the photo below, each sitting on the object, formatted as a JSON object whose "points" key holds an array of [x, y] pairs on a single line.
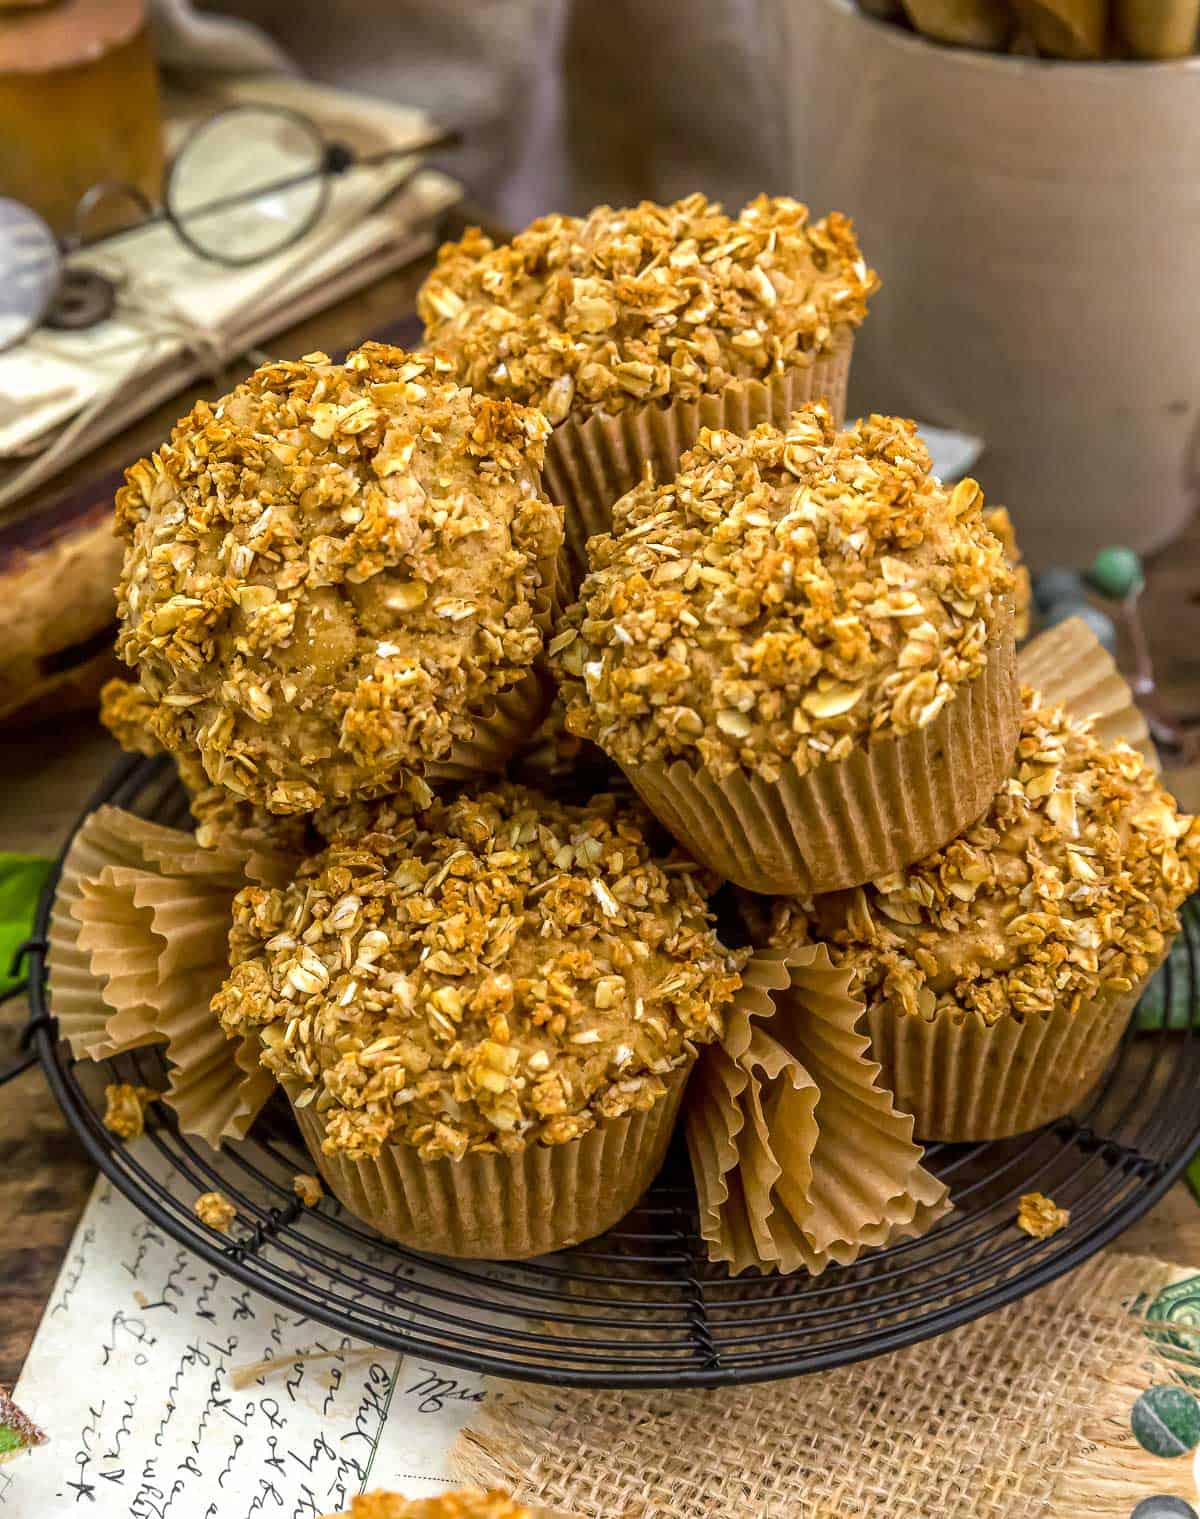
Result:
{"points": [[1024, 1414]]}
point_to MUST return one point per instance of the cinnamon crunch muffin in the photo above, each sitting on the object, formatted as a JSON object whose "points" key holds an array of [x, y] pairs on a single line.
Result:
{"points": [[631, 328], [469, 1503], [338, 577], [484, 1014], [1000, 971], [800, 651]]}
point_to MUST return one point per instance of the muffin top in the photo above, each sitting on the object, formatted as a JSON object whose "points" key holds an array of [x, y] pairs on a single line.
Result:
{"points": [[497, 970], [223, 821], [787, 596], [329, 570], [642, 304], [469, 1503], [1065, 890]]}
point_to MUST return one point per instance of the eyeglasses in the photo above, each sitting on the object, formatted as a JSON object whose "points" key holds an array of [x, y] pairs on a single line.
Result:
{"points": [[227, 203]]}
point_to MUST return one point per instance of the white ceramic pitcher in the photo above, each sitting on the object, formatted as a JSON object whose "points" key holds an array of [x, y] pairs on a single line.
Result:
{"points": [[1037, 227]]}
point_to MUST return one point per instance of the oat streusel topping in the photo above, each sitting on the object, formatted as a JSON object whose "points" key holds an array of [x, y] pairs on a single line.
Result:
{"points": [[787, 596], [1067, 889], [329, 570], [997, 519], [223, 821], [470, 1503], [215, 1210], [499, 970], [644, 304], [125, 1108]]}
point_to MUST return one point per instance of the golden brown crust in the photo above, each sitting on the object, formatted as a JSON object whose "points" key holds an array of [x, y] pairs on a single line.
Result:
{"points": [[643, 304], [1066, 890], [788, 596], [499, 970], [330, 571]]}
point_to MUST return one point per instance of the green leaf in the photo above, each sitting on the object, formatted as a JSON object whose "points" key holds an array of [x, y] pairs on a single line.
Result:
{"points": [[1192, 1177], [22, 877]]}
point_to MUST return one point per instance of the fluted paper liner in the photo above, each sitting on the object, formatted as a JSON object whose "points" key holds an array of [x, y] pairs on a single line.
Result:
{"points": [[963, 1079], [590, 464], [882, 807], [801, 1156], [138, 947], [502, 1207]]}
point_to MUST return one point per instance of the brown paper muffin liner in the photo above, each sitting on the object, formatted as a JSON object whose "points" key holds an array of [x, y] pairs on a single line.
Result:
{"points": [[137, 952], [591, 463], [963, 1079], [801, 1156], [502, 727], [503, 1207], [837, 825]]}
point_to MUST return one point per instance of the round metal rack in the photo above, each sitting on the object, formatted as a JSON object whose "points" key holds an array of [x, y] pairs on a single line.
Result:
{"points": [[643, 1305]]}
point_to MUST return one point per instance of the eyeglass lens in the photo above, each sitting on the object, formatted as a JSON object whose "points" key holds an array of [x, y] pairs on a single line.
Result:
{"points": [[29, 269], [247, 183]]}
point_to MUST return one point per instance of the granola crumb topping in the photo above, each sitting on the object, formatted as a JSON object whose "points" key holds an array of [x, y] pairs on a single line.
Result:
{"points": [[329, 570], [223, 821], [1066, 890], [998, 521], [215, 1210], [791, 594], [644, 304], [125, 1108], [499, 970], [308, 1189], [1039, 1216], [469, 1503]]}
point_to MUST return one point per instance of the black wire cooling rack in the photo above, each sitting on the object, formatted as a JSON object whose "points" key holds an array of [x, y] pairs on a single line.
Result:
{"points": [[643, 1306]]}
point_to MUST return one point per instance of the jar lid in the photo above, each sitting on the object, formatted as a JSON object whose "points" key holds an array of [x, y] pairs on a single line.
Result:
{"points": [[38, 36]]}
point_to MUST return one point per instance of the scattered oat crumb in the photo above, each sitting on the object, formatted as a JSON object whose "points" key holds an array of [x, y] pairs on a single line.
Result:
{"points": [[125, 1108], [1040, 1217], [308, 1189], [215, 1210]]}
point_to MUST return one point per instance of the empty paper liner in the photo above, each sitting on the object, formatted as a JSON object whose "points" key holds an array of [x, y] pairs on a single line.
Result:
{"points": [[883, 806], [801, 1156], [137, 951], [503, 1207], [590, 464]]}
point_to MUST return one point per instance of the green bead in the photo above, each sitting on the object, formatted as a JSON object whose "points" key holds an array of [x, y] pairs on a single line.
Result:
{"points": [[1163, 1507], [1115, 572], [1166, 1421]]}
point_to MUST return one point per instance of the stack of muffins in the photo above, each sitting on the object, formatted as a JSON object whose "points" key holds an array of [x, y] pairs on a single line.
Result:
{"points": [[614, 498]]}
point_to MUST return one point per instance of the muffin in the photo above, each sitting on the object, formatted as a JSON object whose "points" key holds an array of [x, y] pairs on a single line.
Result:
{"points": [[632, 329], [339, 577], [223, 821], [800, 651], [484, 1014], [1000, 972], [998, 520], [469, 1503]]}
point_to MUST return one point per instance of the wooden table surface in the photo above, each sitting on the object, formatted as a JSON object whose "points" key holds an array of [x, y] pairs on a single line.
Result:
{"points": [[47, 773]]}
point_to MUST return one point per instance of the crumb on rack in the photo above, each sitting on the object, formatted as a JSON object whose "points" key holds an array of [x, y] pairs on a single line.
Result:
{"points": [[215, 1210], [1040, 1216], [125, 1108], [308, 1189]]}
